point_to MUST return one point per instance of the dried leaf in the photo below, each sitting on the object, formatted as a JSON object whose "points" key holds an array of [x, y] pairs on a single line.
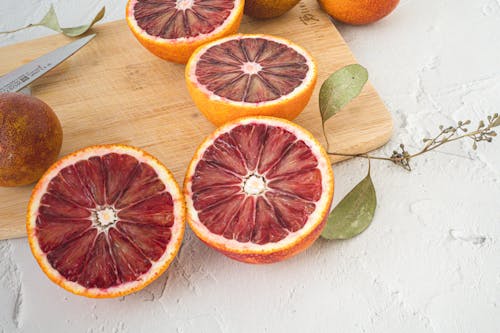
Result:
{"points": [[80, 30], [340, 88], [354, 213], [51, 21]]}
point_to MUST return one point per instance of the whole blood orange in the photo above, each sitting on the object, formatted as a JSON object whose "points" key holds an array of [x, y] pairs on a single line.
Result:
{"points": [[30, 138], [250, 75], [264, 9], [105, 221], [173, 29], [358, 12], [259, 189]]}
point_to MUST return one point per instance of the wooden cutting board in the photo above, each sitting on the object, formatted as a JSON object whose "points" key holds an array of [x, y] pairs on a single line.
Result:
{"points": [[114, 91]]}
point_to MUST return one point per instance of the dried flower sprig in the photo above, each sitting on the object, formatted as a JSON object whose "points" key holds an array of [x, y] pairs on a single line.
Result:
{"points": [[484, 132], [355, 212]]}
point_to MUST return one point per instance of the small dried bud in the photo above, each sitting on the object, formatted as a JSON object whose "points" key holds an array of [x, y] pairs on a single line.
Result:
{"points": [[441, 127], [492, 133], [402, 146], [481, 124], [464, 129], [460, 123], [489, 139], [474, 146], [467, 122]]}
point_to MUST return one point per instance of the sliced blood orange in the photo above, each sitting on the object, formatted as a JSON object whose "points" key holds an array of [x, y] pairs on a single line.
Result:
{"points": [[250, 75], [259, 189], [105, 221], [173, 29]]}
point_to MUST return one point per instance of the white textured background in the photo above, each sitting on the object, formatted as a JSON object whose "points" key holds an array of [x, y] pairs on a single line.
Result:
{"points": [[430, 262]]}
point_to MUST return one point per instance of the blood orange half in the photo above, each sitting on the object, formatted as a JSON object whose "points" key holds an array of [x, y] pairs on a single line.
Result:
{"points": [[250, 75], [259, 189], [173, 29], [105, 221]]}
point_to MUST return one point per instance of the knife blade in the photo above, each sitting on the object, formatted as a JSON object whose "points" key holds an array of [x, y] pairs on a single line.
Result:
{"points": [[26, 74]]}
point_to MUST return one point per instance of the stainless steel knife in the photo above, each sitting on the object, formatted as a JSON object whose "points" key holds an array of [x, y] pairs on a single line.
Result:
{"points": [[26, 74]]}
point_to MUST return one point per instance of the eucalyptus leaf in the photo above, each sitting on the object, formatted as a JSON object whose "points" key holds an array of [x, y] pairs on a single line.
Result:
{"points": [[340, 88], [354, 212], [51, 21]]}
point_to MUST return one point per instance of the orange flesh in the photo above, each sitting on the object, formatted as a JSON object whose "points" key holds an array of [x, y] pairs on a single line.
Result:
{"points": [[105, 220], [256, 183], [251, 69]]}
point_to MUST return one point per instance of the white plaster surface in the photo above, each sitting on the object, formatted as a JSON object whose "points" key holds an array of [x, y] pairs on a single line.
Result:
{"points": [[430, 262]]}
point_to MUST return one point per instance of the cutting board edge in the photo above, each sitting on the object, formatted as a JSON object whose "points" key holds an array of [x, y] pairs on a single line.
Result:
{"points": [[52, 41]]}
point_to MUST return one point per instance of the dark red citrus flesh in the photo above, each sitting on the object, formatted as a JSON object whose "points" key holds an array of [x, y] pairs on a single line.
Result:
{"points": [[94, 249], [251, 69], [283, 167], [172, 19]]}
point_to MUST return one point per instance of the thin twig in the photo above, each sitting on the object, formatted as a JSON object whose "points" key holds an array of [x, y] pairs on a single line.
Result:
{"points": [[446, 135], [364, 155]]}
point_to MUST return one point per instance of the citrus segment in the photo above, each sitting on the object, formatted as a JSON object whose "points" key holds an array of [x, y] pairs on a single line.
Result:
{"points": [[259, 189], [173, 29], [105, 221], [244, 75]]}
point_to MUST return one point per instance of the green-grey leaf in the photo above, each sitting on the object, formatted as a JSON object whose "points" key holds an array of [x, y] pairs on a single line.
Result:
{"points": [[51, 21], [354, 213], [340, 88]]}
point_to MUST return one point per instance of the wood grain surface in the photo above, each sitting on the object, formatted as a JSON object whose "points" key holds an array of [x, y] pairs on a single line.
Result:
{"points": [[115, 91]]}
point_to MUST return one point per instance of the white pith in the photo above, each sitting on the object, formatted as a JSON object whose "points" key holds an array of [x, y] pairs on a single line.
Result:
{"points": [[254, 185], [177, 228], [306, 82], [184, 4], [314, 219], [219, 29]]}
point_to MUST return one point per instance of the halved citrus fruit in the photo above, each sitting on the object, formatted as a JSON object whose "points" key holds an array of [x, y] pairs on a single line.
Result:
{"points": [[358, 12], [173, 29], [105, 221], [250, 75], [259, 189]]}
